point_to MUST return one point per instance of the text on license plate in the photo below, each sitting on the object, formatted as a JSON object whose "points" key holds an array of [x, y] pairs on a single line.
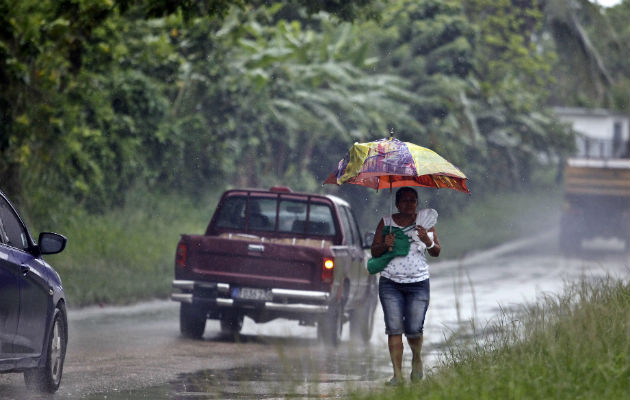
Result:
{"points": [[252, 294]]}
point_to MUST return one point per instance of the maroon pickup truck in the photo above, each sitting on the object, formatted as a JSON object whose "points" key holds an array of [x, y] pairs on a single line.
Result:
{"points": [[275, 253]]}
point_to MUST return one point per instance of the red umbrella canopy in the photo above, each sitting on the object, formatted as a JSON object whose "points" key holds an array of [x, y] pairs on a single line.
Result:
{"points": [[388, 163]]}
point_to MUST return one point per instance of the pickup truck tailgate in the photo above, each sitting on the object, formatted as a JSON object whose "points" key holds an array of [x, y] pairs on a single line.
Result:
{"points": [[256, 264]]}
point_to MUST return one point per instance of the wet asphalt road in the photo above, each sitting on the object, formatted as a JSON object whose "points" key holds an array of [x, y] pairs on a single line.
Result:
{"points": [[136, 352]]}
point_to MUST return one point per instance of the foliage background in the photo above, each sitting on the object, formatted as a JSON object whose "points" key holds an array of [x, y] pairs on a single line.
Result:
{"points": [[102, 98]]}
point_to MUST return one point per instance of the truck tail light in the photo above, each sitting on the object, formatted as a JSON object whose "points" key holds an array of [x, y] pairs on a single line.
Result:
{"points": [[180, 255], [328, 270]]}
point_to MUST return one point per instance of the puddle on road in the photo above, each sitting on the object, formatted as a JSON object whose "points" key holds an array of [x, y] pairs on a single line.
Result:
{"points": [[308, 373]]}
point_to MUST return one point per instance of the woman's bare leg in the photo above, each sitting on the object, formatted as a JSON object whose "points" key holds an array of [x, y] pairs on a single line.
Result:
{"points": [[396, 354], [416, 361]]}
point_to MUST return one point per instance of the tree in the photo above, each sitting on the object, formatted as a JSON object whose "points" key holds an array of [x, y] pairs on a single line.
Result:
{"points": [[306, 92], [510, 85], [481, 79], [592, 69], [74, 115]]}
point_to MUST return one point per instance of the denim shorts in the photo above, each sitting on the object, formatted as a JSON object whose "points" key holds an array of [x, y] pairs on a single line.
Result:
{"points": [[404, 305]]}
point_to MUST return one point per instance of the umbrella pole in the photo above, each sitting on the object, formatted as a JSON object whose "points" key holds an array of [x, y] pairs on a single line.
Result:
{"points": [[391, 207]]}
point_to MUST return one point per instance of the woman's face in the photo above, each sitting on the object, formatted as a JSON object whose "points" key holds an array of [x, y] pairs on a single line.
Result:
{"points": [[407, 203]]}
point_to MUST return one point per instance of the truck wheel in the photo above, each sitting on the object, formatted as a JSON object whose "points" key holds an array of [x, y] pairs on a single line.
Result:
{"points": [[330, 326], [231, 323], [192, 321], [362, 319], [48, 378]]}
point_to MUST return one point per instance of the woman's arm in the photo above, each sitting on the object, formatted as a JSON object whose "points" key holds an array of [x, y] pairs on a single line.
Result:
{"points": [[433, 247], [380, 245], [435, 250]]}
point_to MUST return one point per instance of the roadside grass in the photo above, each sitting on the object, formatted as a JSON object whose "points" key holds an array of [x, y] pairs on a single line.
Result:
{"points": [[126, 255], [575, 345]]}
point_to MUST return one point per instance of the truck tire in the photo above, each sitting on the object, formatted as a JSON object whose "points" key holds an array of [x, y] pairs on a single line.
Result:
{"points": [[48, 378], [362, 318], [231, 323], [192, 321], [329, 327]]}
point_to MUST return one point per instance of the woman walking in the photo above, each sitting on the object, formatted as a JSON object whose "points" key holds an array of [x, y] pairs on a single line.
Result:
{"points": [[404, 284]]}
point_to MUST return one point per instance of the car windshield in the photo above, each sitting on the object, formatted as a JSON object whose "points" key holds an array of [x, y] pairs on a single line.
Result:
{"points": [[262, 214]]}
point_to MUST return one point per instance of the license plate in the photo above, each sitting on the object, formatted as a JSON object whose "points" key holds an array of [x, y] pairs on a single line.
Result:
{"points": [[252, 294]]}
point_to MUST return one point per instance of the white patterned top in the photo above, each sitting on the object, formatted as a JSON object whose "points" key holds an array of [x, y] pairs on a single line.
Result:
{"points": [[413, 267]]}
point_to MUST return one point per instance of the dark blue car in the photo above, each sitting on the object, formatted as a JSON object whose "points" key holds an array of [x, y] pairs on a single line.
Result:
{"points": [[33, 322]]}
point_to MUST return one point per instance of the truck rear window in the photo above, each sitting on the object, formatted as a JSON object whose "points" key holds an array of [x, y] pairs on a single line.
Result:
{"points": [[292, 216]]}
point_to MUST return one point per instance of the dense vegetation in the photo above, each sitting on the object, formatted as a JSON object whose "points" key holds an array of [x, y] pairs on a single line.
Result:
{"points": [[100, 97]]}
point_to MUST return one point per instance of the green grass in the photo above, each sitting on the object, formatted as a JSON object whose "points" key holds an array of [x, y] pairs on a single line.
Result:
{"points": [[575, 345], [126, 255]]}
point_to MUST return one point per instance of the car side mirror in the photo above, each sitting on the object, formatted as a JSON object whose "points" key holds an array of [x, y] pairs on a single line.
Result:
{"points": [[51, 243], [368, 239]]}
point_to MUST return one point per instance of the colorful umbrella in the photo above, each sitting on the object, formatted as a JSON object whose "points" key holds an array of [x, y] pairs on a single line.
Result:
{"points": [[389, 163]]}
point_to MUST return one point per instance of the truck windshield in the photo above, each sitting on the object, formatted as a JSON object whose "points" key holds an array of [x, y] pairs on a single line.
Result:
{"points": [[293, 215]]}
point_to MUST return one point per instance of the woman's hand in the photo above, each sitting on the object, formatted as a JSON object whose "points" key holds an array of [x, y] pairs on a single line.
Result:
{"points": [[389, 240], [423, 236], [433, 246]]}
